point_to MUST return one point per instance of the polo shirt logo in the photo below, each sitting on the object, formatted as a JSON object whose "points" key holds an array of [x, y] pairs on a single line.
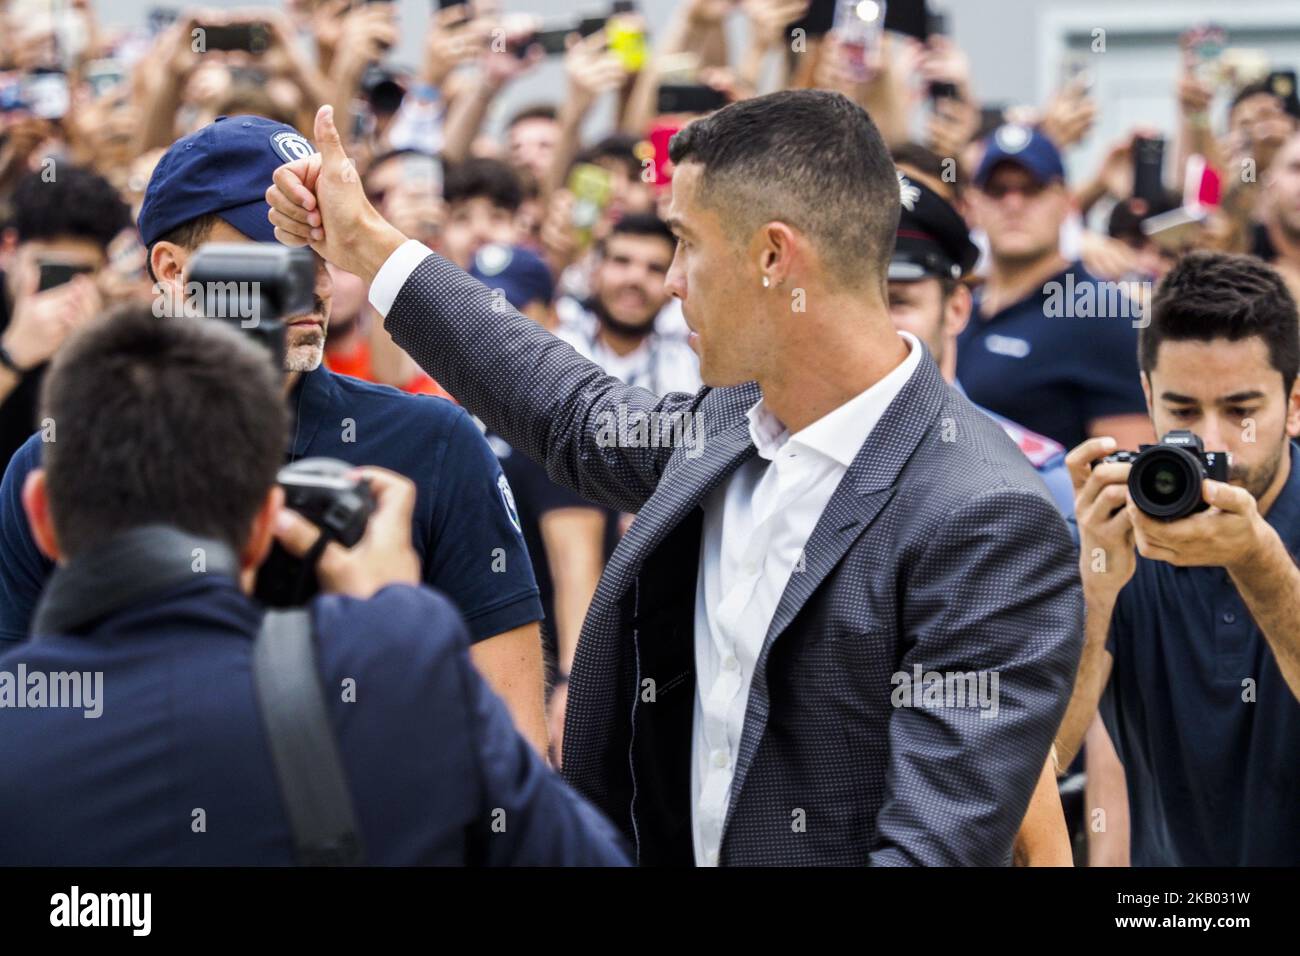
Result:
{"points": [[508, 499], [1008, 346]]}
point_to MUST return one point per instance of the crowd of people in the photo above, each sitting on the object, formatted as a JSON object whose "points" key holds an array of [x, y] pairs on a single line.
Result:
{"points": [[1082, 315]]}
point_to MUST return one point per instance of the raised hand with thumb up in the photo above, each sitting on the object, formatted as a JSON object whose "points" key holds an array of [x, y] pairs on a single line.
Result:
{"points": [[319, 201]]}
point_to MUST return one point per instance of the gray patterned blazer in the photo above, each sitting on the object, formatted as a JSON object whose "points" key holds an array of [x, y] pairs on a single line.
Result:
{"points": [[940, 556]]}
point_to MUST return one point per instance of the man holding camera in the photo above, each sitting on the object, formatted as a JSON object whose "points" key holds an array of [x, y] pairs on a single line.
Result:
{"points": [[140, 732], [1193, 649], [209, 187]]}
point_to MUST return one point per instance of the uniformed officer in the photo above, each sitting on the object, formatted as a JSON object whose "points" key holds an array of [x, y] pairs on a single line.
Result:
{"points": [[210, 186], [932, 253], [133, 730]]}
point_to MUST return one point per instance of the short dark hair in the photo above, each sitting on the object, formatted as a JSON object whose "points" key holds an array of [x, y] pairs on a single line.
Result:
{"points": [[188, 235], [75, 203], [620, 148], [639, 224], [809, 158], [1258, 88], [160, 421], [489, 178], [380, 158], [1211, 295], [925, 160], [542, 111]]}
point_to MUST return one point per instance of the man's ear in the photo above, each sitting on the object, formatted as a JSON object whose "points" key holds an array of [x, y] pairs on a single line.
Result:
{"points": [[262, 533], [36, 503], [957, 310], [167, 260], [777, 250]]}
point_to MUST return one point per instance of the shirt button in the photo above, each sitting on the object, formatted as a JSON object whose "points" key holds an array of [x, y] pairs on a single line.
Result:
{"points": [[730, 663], [720, 759], [1229, 617]]}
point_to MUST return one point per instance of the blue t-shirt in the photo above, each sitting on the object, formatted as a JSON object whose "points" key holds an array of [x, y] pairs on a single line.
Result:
{"points": [[1201, 717], [1056, 360], [175, 769], [465, 527]]}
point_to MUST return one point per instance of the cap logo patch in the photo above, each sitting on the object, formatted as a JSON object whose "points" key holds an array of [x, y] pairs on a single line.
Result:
{"points": [[493, 258], [1012, 139], [291, 146]]}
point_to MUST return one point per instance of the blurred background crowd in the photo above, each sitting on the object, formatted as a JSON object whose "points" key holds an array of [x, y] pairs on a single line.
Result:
{"points": [[530, 147]]}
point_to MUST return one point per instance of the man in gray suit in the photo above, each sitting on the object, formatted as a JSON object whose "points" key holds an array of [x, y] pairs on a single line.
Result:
{"points": [[845, 624]]}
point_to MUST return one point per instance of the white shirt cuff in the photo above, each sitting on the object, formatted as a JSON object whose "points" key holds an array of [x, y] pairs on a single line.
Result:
{"points": [[392, 275]]}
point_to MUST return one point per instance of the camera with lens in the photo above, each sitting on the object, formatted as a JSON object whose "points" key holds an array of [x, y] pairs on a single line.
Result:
{"points": [[254, 286], [323, 491], [1165, 480]]}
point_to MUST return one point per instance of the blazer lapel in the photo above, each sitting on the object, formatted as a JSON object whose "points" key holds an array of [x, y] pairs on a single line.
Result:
{"points": [[861, 495], [680, 491]]}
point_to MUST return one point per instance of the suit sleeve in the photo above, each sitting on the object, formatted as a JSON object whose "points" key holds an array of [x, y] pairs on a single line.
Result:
{"points": [[994, 592], [530, 817], [529, 387], [23, 569]]}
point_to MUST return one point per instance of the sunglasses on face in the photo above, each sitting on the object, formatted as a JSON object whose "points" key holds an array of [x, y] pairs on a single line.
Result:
{"points": [[999, 191]]}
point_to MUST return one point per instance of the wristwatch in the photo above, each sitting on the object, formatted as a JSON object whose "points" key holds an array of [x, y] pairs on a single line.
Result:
{"points": [[8, 362]]}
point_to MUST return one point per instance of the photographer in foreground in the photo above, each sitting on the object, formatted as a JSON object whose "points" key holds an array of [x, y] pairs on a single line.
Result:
{"points": [[158, 502], [1193, 649], [209, 187]]}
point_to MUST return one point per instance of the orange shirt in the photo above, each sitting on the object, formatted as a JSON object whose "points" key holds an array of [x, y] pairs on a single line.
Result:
{"points": [[356, 363]]}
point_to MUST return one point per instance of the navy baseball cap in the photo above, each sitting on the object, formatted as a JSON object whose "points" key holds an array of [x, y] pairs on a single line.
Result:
{"points": [[224, 168], [1027, 148], [521, 275]]}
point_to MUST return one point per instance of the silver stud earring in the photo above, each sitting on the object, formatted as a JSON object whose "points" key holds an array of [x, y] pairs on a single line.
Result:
{"points": [[766, 283]]}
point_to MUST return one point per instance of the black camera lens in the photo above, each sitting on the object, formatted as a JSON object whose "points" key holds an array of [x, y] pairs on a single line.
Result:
{"points": [[1166, 482]]}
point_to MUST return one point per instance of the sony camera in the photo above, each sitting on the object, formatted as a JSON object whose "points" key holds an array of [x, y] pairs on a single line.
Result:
{"points": [[1165, 480], [254, 286]]}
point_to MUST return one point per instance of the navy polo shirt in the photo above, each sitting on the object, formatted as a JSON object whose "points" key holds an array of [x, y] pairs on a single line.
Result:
{"points": [[1212, 777], [1054, 361], [465, 527], [175, 769]]}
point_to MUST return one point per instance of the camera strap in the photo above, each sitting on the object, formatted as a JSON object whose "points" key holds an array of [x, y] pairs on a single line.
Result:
{"points": [[304, 749]]}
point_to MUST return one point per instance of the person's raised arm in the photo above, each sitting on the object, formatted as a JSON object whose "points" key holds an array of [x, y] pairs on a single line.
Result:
{"points": [[525, 384]]}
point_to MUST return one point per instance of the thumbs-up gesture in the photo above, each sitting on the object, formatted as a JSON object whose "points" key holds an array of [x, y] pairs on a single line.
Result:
{"points": [[318, 201]]}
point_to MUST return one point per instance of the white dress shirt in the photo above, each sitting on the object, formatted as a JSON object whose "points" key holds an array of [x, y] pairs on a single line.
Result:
{"points": [[756, 525]]}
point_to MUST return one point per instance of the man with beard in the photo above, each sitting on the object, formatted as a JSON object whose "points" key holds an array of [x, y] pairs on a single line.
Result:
{"points": [[1193, 650], [616, 327], [210, 187]]}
